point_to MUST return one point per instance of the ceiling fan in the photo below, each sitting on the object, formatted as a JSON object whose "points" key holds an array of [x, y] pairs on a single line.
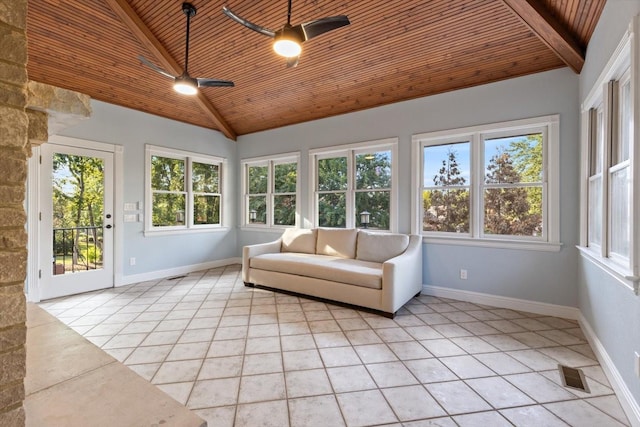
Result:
{"points": [[288, 39], [184, 83]]}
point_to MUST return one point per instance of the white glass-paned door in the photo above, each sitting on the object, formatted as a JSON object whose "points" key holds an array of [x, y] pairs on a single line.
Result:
{"points": [[76, 225]]}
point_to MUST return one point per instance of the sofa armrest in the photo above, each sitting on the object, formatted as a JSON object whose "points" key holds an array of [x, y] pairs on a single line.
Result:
{"points": [[402, 276], [254, 250]]}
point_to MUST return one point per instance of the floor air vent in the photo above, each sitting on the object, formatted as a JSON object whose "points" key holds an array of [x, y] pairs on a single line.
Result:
{"points": [[573, 378]]}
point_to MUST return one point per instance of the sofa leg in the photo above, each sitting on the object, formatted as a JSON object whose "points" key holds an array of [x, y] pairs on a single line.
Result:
{"points": [[249, 285], [417, 295]]}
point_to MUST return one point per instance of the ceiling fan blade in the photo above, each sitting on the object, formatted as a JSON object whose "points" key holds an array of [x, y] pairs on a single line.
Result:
{"points": [[250, 25], [323, 25], [293, 61], [214, 83], [154, 67]]}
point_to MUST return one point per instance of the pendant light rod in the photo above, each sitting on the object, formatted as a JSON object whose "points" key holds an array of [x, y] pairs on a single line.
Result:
{"points": [[190, 11]]}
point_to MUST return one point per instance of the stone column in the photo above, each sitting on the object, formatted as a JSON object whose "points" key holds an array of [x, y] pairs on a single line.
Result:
{"points": [[14, 151]]}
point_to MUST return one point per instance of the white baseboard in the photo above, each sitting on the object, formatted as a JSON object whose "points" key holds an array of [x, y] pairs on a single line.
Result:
{"points": [[629, 405], [504, 302], [161, 274]]}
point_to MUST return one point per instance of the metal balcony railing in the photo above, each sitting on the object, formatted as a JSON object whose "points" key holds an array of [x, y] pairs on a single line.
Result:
{"points": [[77, 249]]}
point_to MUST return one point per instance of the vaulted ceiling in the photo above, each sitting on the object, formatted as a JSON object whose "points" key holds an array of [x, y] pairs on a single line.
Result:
{"points": [[392, 51]]}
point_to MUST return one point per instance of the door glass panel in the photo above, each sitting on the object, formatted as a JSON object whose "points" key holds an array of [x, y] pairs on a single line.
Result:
{"points": [[78, 212]]}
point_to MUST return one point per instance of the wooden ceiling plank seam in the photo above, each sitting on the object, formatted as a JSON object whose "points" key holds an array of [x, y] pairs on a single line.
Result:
{"points": [[582, 17], [550, 31], [590, 27], [142, 32]]}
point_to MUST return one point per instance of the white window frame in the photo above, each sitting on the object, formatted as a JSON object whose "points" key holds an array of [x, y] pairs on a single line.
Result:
{"points": [[270, 161], [623, 64], [350, 151], [476, 135], [188, 158]]}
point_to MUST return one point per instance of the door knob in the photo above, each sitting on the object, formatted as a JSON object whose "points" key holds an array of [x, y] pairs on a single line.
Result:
{"points": [[108, 226]]}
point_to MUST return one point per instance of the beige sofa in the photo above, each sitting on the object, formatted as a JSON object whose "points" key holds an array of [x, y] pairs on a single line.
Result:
{"points": [[378, 271]]}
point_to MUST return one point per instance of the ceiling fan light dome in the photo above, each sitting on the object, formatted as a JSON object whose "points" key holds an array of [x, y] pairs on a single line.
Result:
{"points": [[287, 43], [185, 85], [287, 48]]}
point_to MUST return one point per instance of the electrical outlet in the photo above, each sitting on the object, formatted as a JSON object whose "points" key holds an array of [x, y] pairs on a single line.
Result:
{"points": [[463, 274], [132, 261], [637, 364]]}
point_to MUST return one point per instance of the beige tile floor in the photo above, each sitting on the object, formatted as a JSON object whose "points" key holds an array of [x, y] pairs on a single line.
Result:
{"points": [[251, 357]]}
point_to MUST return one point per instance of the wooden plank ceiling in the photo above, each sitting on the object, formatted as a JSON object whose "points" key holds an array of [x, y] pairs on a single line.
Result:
{"points": [[392, 51]]}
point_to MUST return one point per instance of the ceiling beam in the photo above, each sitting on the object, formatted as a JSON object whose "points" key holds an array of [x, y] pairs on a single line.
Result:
{"points": [[131, 19], [548, 29]]}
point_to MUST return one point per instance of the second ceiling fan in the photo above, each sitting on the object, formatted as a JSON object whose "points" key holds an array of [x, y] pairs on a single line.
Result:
{"points": [[288, 39]]}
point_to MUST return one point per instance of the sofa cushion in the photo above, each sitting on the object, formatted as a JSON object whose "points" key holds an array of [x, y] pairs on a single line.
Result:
{"points": [[299, 240], [336, 269], [380, 247], [337, 242]]}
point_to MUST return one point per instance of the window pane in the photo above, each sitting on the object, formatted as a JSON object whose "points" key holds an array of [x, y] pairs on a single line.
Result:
{"points": [[621, 150], [168, 209], [332, 174], [206, 210], [620, 206], [597, 142], [377, 203], [257, 179], [513, 211], [513, 159], [284, 210], [258, 204], [595, 211], [332, 210], [205, 178], [373, 170], [446, 165], [167, 174], [446, 210], [285, 176]]}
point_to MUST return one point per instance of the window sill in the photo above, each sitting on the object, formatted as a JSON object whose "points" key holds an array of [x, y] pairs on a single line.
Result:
{"points": [[194, 230], [495, 243], [265, 228], [621, 274]]}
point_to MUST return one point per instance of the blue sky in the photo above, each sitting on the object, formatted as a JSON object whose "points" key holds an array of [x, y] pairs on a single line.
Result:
{"points": [[435, 154]]}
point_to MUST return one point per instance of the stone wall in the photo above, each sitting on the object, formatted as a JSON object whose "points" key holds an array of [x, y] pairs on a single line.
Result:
{"points": [[14, 151]]}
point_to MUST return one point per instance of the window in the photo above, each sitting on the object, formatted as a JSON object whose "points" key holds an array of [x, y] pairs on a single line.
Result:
{"points": [[184, 190], [619, 173], [352, 179], [609, 135], [491, 185], [271, 191]]}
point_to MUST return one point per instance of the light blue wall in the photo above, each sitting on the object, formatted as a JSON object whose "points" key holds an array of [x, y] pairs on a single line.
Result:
{"points": [[612, 310], [133, 129], [537, 276]]}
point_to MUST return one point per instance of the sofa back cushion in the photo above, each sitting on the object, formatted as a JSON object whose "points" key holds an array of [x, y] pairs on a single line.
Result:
{"points": [[380, 247], [338, 242], [299, 240]]}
